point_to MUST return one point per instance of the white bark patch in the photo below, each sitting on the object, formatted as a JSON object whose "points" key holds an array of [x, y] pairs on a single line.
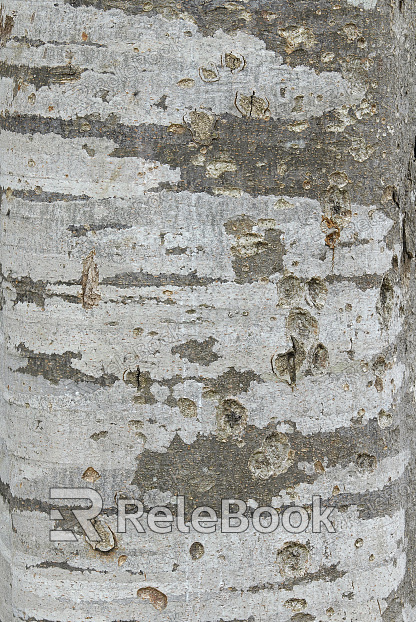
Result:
{"points": [[346, 315], [175, 340], [255, 586], [50, 163], [172, 61], [350, 479], [365, 4]]}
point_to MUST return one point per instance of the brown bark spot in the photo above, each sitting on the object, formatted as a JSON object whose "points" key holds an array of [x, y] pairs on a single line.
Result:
{"points": [[187, 407], [293, 559], [365, 462], [186, 83], [196, 550], [297, 37], [209, 74], [274, 457], [320, 358], [231, 419], [296, 604], [288, 289], [286, 365], [176, 128], [234, 63], [6, 26], [91, 475], [385, 303], [107, 542], [302, 324], [89, 282], [317, 292], [252, 106], [334, 233], [157, 598], [203, 127]]}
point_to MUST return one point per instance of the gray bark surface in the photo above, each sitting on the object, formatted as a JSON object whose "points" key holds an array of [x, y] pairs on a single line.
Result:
{"points": [[207, 259]]}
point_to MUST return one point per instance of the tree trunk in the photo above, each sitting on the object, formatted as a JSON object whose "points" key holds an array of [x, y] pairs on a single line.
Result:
{"points": [[208, 291]]}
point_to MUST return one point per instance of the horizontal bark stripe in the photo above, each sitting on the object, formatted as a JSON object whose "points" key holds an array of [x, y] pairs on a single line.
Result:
{"points": [[228, 166]]}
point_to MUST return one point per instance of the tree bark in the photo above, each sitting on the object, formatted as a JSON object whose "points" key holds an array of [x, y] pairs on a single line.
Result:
{"points": [[208, 291]]}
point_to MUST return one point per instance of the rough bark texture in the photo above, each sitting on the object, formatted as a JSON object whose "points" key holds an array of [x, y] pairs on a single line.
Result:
{"points": [[207, 238]]}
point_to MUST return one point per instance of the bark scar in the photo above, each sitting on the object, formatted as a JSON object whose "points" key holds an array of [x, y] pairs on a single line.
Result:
{"points": [[89, 282]]}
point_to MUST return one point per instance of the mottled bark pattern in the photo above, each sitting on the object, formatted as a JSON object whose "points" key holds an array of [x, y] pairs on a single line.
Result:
{"points": [[208, 243]]}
